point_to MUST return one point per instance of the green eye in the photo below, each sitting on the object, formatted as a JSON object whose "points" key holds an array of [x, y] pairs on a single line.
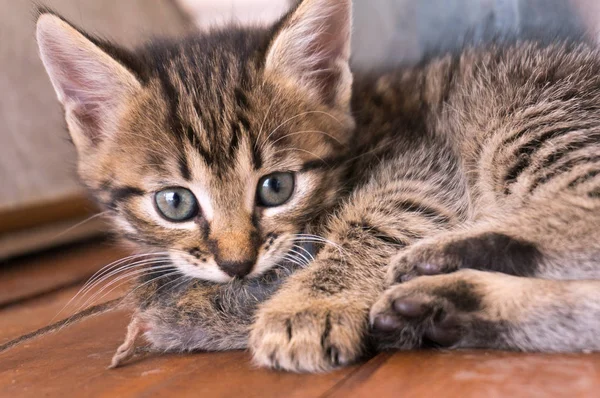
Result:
{"points": [[176, 204], [275, 189]]}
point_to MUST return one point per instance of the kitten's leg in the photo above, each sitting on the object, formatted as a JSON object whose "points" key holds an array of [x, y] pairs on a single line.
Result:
{"points": [[319, 318], [553, 238], [476, 309]]}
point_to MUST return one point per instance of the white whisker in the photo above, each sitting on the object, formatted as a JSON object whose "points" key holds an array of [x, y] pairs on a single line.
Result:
{"points": [[120, 266], [309, 254], [125, 279], [302, 150], [263, 122], [303, 257], [297, 116], [319, 239], [100, 274], [79, 224], [309, 131], [153, 280], [293, 260]]}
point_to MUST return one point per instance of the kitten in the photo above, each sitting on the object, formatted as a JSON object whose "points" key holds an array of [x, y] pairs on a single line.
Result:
{"points": [[455, 203]]}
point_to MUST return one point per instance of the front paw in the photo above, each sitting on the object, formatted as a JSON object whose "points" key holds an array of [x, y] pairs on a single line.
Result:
{"points": [[308, 335], [444, 310], [426, 258], [489, 251]]}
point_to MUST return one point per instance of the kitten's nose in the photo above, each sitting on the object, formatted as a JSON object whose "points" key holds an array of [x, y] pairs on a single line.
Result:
{"points": [[234, 245], [236, 268]]}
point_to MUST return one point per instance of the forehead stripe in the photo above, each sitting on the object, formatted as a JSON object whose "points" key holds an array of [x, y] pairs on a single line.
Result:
{"points": [[184, 169], [330, 162], [124, 193]]}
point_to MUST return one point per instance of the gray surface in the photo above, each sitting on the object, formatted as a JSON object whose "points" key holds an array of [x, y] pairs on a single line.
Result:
{"points": [[36, 161], [392, 31]]}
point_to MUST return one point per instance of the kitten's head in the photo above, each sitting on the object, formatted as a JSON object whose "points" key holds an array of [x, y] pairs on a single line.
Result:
{"points": [[217, 149]]}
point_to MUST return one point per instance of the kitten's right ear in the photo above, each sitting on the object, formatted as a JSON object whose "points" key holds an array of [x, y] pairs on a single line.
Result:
{"points": [[311, 50], [92, 86]]}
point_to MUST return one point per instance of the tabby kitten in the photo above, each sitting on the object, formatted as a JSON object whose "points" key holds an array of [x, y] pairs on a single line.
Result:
{"points": [[458, 201]]}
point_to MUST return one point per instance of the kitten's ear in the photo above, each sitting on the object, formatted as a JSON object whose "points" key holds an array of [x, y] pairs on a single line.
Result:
{"points": [[311, 49], [92, 86]]}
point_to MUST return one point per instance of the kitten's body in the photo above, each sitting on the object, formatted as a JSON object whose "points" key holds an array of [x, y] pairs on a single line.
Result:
{"points": [[487, 160]]}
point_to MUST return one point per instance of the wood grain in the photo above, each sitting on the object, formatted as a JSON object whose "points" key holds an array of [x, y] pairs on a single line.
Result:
{"points": [[474, 374], [24, 317], [33, 276], [72, 361], [45, 212]]}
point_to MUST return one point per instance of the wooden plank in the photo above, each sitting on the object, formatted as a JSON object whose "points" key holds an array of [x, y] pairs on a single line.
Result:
{"points": [[31, 276], [477, 374], [35, 239], [74, 360], [45, 212], [30, 315]]}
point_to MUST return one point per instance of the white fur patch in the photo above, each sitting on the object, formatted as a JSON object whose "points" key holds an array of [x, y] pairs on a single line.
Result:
{"points": [[208, 271]]}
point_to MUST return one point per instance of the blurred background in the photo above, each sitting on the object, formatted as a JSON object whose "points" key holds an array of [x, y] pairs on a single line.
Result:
{"points": [[41, 203]]}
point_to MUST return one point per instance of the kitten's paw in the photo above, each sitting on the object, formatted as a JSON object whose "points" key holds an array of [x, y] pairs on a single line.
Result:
{"points": [[488, 251], [421, 259], [307, 335], [443, 310]]}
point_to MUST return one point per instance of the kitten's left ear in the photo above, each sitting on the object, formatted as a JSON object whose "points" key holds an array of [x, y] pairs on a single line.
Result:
{"points": [[92, 86], [312, 50]]}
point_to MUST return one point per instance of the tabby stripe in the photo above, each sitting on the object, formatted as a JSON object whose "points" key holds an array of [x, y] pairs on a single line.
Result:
{"points": [[378, 234], [241, 99], [175, 122], [595, 194], [567, 166], [203, 225], [184, 169], [584, 178], [255, 220], [235, 139], [575, 144], [534, 122], [257, 161], [192, 138], [327, 163], [124, 193], [414, 207], [172, 98], [524, 152]]}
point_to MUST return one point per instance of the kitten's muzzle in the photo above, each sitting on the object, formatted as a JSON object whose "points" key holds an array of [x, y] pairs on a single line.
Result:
{"points": [[237, 269], [235, 253]]}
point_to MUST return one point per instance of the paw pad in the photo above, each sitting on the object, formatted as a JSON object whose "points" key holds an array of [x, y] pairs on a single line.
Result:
{"points": [[435, 321]]}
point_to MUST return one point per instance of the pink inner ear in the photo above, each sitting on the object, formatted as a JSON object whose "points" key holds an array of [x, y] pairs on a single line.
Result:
{"points": [[314, 46], [90, 84], [89, 121], [89, 97]]}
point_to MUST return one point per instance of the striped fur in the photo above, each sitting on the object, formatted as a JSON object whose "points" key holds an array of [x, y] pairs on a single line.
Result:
{"points": [[487, 160]]}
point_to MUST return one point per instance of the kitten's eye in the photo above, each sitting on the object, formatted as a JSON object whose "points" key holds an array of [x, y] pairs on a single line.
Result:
{"points": [[275, 189], [176, 204]]}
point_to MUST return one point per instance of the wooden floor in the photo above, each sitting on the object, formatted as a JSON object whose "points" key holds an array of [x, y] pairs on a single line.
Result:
{"points": [[72, 362]]}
